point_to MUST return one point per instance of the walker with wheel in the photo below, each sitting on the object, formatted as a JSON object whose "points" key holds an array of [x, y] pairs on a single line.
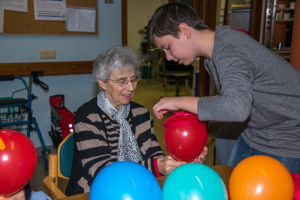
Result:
{"points": [[15, 113]]}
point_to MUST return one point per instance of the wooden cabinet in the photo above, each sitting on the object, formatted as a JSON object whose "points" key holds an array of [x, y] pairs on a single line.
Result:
{"points": [[278, 27]]}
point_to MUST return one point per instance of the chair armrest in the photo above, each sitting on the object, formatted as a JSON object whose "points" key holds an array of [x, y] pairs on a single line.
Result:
{"points": [[209, 141], [51, 181], [53, 191]]}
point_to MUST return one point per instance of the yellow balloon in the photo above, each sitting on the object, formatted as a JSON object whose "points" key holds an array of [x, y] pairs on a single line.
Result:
{"points": [[261, 178]]}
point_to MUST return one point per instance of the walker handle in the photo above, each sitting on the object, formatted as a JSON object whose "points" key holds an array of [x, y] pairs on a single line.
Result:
{"points": [[7, 77], [37, 81]]}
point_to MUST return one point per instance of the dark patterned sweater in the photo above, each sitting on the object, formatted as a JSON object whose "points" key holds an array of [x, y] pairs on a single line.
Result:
{"points": [[96, 141]]}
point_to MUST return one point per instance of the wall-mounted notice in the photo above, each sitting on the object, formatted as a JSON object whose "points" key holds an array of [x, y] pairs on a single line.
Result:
{"points": [[81, 19], [54, 10], [16, 5], [25, 23]]}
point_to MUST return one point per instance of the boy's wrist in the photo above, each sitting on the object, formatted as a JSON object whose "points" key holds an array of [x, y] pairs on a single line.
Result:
{"points": [[178, 102]]}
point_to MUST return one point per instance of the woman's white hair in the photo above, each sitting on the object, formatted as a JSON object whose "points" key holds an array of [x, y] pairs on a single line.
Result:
{"points": [[117, 57]]}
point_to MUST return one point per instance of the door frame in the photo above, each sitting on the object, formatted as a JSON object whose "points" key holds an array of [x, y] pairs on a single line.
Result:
{"points": [[124, 22]]}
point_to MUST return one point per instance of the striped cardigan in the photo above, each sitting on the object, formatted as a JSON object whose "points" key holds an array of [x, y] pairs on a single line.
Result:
{"points": [[96, 141]]}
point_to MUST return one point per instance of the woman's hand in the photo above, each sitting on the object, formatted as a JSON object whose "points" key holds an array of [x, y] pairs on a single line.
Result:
{"points": [[167, 164], [201, 158]]}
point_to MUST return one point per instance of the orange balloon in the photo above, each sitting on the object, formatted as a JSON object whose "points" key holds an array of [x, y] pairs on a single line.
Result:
{"points": [[261, 178]]}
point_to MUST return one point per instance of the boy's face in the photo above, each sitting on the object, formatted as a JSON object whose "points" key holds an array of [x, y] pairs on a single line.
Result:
{"points": [[176, 49]]}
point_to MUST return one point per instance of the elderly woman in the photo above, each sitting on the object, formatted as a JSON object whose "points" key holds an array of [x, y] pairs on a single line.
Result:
{"points": [[111, 128]]}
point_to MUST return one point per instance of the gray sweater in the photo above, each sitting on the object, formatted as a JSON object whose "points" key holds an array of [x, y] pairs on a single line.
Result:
{"points": [[258, 85]]}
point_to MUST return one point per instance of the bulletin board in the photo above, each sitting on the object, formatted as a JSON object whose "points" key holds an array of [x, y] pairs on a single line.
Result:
{"points": [[24, 23]]}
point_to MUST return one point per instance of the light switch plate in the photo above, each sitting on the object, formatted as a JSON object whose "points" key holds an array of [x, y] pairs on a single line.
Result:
{"points": [[109, 1], [47, 54]]}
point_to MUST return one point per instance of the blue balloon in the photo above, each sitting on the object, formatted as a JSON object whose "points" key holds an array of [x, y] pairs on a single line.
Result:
{"points": [[194, 181], [125, 180]]}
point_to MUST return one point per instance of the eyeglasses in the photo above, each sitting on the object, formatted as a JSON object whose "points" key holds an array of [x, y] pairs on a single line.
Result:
{"points": [[124, 82]]}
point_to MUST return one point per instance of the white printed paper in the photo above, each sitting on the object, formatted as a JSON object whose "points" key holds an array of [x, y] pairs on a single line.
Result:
{"points": [[1, 16], [16, 5], [81, 19], [50, 10]]}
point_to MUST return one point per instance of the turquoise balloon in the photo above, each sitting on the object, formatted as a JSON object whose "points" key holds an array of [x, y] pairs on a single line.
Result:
{"points": [[194, 181]]}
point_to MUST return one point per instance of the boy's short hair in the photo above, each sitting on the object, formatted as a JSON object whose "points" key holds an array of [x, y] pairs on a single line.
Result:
{"points": [[167, 18]]}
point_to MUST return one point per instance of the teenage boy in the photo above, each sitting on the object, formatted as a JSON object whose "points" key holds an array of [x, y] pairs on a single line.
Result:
{"points": [[255, 84]]}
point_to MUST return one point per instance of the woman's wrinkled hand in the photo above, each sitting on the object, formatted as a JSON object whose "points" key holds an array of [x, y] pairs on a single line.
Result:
{"points": [[201, 158], [167, 164]]}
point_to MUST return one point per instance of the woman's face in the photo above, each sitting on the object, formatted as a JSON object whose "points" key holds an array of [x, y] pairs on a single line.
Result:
{"points": [[118, 95]]}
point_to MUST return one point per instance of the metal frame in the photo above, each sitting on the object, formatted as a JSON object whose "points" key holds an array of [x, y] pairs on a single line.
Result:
{"points": [[25, 104]]}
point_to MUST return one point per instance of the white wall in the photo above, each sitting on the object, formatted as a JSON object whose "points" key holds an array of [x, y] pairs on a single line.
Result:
{"points": [[76, 88]]}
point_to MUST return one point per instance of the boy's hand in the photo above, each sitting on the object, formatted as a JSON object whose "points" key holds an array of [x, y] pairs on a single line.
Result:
{"points": [[175, 103], [164, 105]]}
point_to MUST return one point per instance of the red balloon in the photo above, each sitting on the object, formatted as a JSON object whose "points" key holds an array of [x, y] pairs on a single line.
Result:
{"points": [[184, 136], [18, 160]]}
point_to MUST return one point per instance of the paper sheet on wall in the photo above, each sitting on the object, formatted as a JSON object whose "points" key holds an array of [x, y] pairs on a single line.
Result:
{"points": [[1, 16], [54, 10], [16, 5], [81, 19]]}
